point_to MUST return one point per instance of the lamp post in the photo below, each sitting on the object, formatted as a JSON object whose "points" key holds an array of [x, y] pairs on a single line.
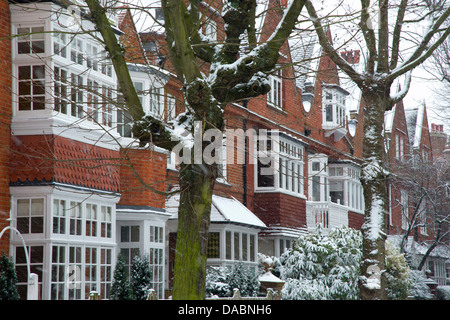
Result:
{"points": [[32, 292]]}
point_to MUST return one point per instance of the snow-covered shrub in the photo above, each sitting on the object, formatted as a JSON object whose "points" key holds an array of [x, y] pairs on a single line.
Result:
{"points": [[216, 282], [140, 278], [120, 288], [419, 289], [8, 279], [244, 279], [323, 266], [221, 282], [443, 292], [397, 273], [305, 289]]}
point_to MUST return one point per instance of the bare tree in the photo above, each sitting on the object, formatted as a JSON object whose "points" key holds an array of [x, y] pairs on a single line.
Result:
{"points": [[385, 62], [427, 213]]}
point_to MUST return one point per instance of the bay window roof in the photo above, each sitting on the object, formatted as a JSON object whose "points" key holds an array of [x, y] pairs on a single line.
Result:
{"points": [[223, 210]]}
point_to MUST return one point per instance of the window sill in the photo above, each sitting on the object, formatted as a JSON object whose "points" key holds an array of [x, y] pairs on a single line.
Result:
{"points": [[290, 193], [275, 108]]}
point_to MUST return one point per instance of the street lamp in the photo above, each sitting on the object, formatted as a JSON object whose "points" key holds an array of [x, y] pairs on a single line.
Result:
{"points": [[32, 287]]}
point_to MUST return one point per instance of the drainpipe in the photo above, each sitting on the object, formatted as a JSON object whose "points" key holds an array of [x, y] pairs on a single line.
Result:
{"points": [[244, 169], [352, 150]]}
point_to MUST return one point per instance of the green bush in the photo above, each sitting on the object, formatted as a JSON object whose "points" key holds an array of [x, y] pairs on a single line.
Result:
{"points": [[443, 293], [221, 282], [397, 274], [8, 279], [323, 266]]}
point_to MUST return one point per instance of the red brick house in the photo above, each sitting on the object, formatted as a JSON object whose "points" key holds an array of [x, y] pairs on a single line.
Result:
{"points": [[80, 190]]}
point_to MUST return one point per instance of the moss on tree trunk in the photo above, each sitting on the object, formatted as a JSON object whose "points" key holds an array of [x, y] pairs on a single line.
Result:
{"points": [[372, 280], [196, 184]]}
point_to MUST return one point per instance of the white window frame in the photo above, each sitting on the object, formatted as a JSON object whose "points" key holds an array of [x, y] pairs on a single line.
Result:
{"points": [[30, 37], [241, 246], [170, 106], [423, 217], [334, 110], [32, 81], [275, 95], [30, 215], [349, 177], [399, 146], [156, 102], [318, 173], [404, 205], [285, 156]]}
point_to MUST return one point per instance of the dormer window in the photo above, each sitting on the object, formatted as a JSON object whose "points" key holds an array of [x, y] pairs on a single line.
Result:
{"points": [[334, 112]]}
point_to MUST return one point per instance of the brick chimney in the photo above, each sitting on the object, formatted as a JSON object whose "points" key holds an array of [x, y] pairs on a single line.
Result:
{"points": [[437, 127], [351, 56]]}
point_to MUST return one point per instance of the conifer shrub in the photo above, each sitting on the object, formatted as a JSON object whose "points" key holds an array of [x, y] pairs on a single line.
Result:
{"points": [[8, 279]]}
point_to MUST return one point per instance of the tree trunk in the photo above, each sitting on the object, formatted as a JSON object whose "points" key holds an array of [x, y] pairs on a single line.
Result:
{"points": [[372, 280], [196, 180], [197, 185]]}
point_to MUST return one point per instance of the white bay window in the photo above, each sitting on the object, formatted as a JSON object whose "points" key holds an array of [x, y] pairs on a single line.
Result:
{"points": [[345, 186], [279, 166], [334, 119], [318, 178]]}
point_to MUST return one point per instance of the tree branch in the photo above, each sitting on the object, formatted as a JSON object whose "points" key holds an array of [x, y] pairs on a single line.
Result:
{"points": [[116, 53], [383, 38], [156, 132], [328, 48], [230, 79], [396, 34], [424, 50], [369, 35], [175, 13]]}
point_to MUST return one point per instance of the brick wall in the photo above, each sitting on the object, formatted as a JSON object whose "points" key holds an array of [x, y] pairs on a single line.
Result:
{"points": [[143, 171], [280, 209], [355, 220], [5, 118]]}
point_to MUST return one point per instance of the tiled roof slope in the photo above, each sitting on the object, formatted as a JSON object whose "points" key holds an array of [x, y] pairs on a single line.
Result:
{"points": [[48, 158]]}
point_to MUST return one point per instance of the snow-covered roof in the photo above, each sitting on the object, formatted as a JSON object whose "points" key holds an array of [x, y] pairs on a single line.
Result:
{"points": [[414, 122], [389, 120], [305, 51], [223, 210]]}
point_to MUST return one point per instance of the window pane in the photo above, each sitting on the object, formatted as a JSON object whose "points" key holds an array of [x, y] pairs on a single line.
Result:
{"points": [[213, 245], [23, 206], [337, 191], [37, 225], [329, 112], [23, 47], [37, 254], [135, 234], [37, 207], [23, 225], [38, 46], [244, 247], [236, 246], [124, 234], [228, 245], [316, 188], [252, 247]]}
